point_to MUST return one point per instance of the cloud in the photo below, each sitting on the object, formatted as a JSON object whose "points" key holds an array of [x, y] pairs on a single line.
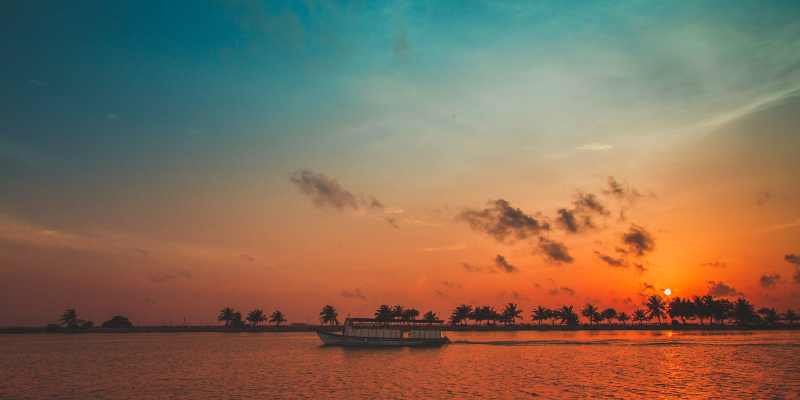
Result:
{"points": [[503, 265], [470, 268], [769, 281], [793, 258], [452, 285], [139, 251], [246, 258], [392, 222], [554, 252], [639, 269], [595, 146], [324, 192], [455, 247], [763, 197], [611, 261], [185, 273], [555, 291], [796, 277], [148, 299], [646, 290], [715, 264], [392, 210], [503, 222], [536, 285], [722, 290], [357, 294], [639, 241], [580, 217], [419, 222], [440, 294], [374, 203]]}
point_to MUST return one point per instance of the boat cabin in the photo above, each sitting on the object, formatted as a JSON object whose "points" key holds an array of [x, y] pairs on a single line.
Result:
{"points": [[392, 328]]}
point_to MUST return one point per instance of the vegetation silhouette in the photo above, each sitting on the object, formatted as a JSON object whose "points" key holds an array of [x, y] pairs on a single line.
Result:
{"points": [[640, 316], [590, 311], [255, 317], [541, 313], [790, 316], [656, 307], [623, 317], [225, 315], [70, 319], [329, 316], [277, 317], [429, 316], [117, 322], [608, 314]]}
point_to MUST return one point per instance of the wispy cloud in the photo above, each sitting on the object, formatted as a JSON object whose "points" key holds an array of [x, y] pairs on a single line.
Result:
{"points": [[595, 146], [455, 247], [356, 293], [327, 193]]}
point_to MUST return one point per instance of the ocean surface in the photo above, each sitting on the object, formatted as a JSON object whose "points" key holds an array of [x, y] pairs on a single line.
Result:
{"points": [[584, 364]]}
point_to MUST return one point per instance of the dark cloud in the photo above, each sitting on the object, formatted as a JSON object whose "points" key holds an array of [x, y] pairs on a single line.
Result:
{"points": [[246, 258], [587, 202], [715, 264], [628, 301], [392, 222], [646, 290], [139, 251], [537, 285], [793, 258], [763, 197], [639, 241], [357, 293], [185, 273], [566, 220], [621, 190], [503, 222], [611, 261], [517, 296], [796, 277], [769, 281], [440, 294], [452, 285], [150, 300], [639, 269], [555, 291], [326, 193], [720, 289], [580, 217], [470, 268], [554, 252], [501, 264]]}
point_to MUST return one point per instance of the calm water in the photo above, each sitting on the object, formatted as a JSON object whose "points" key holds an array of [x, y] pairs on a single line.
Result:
{"points": [[479, 364]]}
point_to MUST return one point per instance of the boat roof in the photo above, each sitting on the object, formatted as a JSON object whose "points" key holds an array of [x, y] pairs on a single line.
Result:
{"points": [[405, 321]]}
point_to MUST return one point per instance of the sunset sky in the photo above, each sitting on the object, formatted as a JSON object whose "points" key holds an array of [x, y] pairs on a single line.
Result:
{"points": [[162, 160]]}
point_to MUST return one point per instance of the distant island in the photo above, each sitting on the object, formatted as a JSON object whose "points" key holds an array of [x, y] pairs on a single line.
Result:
{"points": [[740, 315]]}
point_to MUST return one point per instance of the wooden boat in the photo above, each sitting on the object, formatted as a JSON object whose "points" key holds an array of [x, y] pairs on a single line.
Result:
{"points": [[386, 332]]}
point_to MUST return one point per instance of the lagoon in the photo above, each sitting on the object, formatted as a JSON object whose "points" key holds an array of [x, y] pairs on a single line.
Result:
{"points": [[519, 364]]}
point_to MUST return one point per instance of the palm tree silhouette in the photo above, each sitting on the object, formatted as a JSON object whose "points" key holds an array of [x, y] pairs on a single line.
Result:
{"points": [[397, 312], [255, 317], [429, 316], [568, 315], [540, 314], [383, 312], [639, 315], [790, 315], [700, 309], [623, 317], [744, 313], [410, 314], [277, 317], [769, 315], [589, 311], [462, 313], [70, 318], [226, 315], [608, 314], [236, 320], [511, 314], [329, 316], [656, 307]]}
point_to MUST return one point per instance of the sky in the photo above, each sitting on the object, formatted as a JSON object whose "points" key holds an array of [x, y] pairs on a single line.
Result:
{"points": [[164, 160]]}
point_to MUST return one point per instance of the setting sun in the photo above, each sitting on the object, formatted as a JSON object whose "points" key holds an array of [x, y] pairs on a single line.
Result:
{"points": [[667, 292]]}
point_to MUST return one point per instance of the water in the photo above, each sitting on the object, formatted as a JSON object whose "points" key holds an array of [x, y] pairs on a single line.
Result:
{"points": [[610, 364]]}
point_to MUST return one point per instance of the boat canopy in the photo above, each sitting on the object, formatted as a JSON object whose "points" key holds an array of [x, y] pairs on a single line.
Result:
{"points": [[395, 321]]}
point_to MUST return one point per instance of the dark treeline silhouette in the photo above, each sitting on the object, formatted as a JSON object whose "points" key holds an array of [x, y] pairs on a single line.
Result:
{"points": [[233, 319]]}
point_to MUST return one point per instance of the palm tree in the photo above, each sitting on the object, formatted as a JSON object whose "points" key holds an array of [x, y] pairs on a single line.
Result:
{"points": [[589, 311], [410, 314], [383, 312], [429, 316], [462, 313], [511, 314], [397, 312], [329, 316], [277, 317], [236, 320], [639, 315], [568, 315], [744, 313], [790, 315], [255, 317], [623, 317], [608, 314], [770, 315], [540, 314], [70, 318], [226, 314], [656, 307], [700, 309]]}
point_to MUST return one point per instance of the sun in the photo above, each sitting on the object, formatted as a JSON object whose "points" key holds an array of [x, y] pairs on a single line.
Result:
{"points": [[667, 292]]}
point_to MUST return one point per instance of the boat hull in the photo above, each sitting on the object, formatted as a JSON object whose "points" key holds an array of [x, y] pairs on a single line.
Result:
{"points": [[335, 339]]}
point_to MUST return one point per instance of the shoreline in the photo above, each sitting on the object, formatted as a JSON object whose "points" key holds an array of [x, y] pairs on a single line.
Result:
{"points": [[465, 328]]}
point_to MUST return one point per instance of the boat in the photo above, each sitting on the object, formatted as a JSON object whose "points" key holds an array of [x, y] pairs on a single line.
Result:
{"points": [[386, 332]]}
